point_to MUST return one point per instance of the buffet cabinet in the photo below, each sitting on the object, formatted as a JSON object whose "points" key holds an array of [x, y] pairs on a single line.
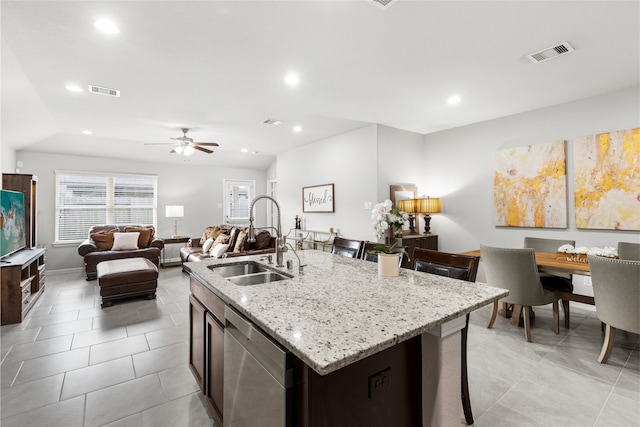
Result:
{"points": [[206, 343], [413, 241], [22, 283]]}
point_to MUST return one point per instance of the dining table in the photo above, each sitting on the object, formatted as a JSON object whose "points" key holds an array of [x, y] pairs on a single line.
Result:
{"points": [[553, 262]]}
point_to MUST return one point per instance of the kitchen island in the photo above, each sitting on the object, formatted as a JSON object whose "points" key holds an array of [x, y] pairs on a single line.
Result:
{"points": [[387, 346]]}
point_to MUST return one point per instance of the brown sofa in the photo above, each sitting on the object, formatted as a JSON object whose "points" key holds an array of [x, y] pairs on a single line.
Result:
{"points": [[98, 246], [238, 246]]}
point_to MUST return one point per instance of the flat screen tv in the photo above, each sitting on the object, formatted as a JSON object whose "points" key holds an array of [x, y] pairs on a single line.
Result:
{"points": [[13, 236]]}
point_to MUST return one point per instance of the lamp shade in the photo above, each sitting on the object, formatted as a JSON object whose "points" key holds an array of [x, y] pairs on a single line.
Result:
{"points": [[407, 205], [428, 205], [174, 211]]}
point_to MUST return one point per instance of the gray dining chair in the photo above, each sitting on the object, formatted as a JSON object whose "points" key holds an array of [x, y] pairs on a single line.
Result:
{"points": [[629, 251], [462, 267], [560, 282], [616, 290], [515, 269]]}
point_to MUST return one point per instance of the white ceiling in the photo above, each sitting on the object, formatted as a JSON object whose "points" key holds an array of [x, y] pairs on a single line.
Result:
{"points": [[218, 67]]}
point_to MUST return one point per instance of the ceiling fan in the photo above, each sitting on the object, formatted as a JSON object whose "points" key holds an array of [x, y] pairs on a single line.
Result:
{"points": [[186, 146]]}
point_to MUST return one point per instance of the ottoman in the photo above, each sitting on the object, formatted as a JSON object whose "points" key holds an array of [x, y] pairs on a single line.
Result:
{"points": [[123, 278]]}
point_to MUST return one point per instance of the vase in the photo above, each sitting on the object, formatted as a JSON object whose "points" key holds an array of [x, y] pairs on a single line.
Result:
{"points": [[398, 232], [388, 265]]}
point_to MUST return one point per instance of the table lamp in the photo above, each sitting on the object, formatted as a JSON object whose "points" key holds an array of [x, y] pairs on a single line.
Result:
{"points": [[409, 206], [427, 206], [175, 212]]}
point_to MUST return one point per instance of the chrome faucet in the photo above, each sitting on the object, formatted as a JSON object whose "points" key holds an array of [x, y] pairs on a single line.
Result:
{"points": [[300, 270], [280, 241]]}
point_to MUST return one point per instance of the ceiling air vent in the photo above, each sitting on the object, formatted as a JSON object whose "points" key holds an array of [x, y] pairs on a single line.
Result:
{"points": [[104, 91], [272, 122], [382, 4], [550, 52]]}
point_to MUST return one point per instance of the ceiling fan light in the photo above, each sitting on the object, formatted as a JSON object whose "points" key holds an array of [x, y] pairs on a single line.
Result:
{"points": [[178, 149], [188, 150]]}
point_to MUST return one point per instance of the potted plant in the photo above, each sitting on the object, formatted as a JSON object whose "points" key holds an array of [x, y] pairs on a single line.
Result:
{"points": [[387, 219], [389, 259]]}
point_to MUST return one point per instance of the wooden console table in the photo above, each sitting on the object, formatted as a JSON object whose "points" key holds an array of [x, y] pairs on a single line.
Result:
{"points": [[412, 241]]}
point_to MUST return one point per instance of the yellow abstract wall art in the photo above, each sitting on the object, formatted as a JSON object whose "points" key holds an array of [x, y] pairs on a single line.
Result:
{"points": [[530, 186], [606, 170]]}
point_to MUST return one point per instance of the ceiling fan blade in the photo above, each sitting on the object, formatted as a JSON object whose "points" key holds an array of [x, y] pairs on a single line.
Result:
{"points": [[209, 144], [205, 150], [173, 151]]}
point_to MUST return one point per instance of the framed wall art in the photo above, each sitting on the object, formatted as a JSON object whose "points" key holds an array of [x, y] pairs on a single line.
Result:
{"points": [[318, 198], [606, 179], [530, 186]]}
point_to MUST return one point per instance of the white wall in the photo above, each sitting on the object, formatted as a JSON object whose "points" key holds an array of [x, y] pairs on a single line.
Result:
{"points": [[7, 159], [459, 168], [400, 160], [197, 188], [349, 161]]}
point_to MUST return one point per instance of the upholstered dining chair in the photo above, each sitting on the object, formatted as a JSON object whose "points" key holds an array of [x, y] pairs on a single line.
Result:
{"points": [[515, 269], [616, 290], [457, 266], [629, 251], [368, 246], [347, 247], [553, 281]]}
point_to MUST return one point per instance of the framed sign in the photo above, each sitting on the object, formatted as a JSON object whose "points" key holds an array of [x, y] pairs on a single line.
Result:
{"points": [[402, 192], [318, 198]]}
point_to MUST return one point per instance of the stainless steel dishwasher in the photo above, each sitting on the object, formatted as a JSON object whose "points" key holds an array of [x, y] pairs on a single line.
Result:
{"points": [[258, 377]]}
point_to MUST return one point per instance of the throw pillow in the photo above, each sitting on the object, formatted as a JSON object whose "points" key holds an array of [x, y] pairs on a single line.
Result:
{"points": [[210, 233], [263, 240], [218, 250], [125, 241], [103, 239], [146, 235], [223, 238], [207, 245], [241, 241]]}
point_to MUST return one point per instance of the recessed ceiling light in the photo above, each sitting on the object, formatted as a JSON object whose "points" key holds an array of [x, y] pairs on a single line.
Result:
{"points": [[455, 99], [292, 79], [106, 26], [297, 128], [244, 150], [87, 132], [74, 88]]}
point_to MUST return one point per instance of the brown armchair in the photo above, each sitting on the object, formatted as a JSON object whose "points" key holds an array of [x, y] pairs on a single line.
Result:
{"points": [[98, 246]]}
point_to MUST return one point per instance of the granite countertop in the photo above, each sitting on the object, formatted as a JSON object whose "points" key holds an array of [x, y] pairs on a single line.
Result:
{"points": [[340, 311]]}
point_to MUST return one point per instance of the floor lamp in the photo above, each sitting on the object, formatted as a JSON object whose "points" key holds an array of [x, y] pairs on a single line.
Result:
{"points": [[175, 212]]}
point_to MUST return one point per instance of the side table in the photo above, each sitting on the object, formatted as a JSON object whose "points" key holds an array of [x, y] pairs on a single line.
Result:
{"points": [[172, 241]]}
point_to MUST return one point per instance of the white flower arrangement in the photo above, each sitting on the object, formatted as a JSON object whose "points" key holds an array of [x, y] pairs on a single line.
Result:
{"points": [[580, 253], [384, 217]]}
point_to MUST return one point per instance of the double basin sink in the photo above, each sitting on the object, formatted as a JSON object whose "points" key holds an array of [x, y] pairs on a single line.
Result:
{"points": [[248, 273]]}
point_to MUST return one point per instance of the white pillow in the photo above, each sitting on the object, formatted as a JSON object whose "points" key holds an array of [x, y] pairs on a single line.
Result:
{"points": [[125, 241], [206, 247], [219, 249]]}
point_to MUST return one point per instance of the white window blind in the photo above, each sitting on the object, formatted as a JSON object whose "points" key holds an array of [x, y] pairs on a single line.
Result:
{"points": [[237, 197], [85, 199]]}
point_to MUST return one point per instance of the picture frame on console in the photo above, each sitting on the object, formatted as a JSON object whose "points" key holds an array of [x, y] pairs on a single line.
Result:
{"points": [[402, 192]]}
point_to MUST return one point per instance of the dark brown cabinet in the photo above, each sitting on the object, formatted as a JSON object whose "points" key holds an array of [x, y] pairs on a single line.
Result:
{"points": [[27, 185], [22, 283], [206, 343], [412, 241]]}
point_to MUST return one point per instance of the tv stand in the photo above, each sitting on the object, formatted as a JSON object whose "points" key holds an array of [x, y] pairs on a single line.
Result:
{"points": [[22, 283]]}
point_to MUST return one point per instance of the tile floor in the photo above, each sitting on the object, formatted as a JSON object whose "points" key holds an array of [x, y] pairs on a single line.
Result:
{"points": [[72, 363]]}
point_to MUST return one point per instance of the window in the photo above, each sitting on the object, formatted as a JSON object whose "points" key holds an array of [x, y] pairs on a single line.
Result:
{"points": [[84, 199], [237, 198]]}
